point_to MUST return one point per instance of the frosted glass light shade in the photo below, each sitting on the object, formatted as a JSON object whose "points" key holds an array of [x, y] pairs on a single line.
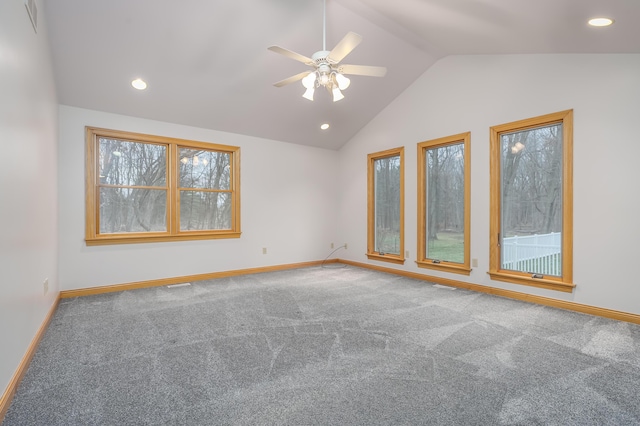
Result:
{"points": [[343, 82], [308, 94], [337, 94], [309, 81]]}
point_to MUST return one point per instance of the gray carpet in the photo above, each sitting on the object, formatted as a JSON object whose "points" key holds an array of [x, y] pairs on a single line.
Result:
{"points": [[320, 346]]}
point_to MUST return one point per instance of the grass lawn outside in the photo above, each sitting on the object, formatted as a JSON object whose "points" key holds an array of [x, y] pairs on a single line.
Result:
{"points": [[449, 247]]}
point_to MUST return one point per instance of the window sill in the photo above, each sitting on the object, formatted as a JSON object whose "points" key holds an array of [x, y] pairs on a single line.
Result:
{"points": [[534, 282], [137, 239], [392, 258], [446, 267]]}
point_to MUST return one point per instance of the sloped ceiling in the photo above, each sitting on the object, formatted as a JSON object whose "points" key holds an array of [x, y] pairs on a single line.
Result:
{"points": [[207, 63]]}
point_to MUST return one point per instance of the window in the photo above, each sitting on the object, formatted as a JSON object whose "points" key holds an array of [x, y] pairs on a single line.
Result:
{"points": [[443, 203], [142, 188], [385, 236], [531, 202]]}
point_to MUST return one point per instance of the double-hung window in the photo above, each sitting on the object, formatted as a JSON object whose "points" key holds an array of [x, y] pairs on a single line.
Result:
{"points": [[143, 188], [385, 236], [444, 169], [531, 229]]}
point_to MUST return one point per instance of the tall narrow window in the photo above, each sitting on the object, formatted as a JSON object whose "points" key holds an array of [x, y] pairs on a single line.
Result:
{"points": [[143, 188], [531, 202], [386, 206], [443, 203]]}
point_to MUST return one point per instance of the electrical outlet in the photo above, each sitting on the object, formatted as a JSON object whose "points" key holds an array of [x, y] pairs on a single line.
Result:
{"points": [[45, 285], [474, 263], [264, 250], [331, 245], [406, 254], [345, 246]]}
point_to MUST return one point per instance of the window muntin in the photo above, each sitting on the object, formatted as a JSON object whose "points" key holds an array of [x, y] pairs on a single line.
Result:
{"points": [[386, 206], [143, 188], [531, 202], [444, 203]]}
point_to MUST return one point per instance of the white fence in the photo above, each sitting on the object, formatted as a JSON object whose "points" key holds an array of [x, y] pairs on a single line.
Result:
{"points": [[536, 254]]}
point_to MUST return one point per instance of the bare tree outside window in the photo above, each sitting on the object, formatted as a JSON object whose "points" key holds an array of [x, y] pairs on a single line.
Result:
{"points": [[150, 188], [531, 164], [205, 195], [445, 203], [387, 215], [385, 206], [133, 190], [531, 221], [444, 194]]}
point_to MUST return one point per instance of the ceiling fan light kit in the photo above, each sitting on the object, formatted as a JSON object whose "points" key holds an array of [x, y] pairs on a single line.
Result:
{"points": [[327, 71]]}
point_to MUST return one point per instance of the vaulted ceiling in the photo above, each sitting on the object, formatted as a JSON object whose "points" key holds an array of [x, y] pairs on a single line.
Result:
{"points": [[207, 65]]}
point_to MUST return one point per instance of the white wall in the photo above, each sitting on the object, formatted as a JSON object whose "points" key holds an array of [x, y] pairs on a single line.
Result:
{"points": [[473, 93], [28, 199], [288, 200]]}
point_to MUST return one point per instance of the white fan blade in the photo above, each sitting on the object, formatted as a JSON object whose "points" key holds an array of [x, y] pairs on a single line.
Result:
{"points": [[370, 71], [293, 55], [292, 79], [342, 49]]}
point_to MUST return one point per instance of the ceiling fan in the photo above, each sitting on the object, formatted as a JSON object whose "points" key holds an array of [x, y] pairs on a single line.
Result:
{"points": [[327, 70]]}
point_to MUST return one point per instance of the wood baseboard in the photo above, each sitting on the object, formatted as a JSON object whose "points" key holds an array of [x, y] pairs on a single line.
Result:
{"points": [[541, 300], [188, 278], [7, 397]]}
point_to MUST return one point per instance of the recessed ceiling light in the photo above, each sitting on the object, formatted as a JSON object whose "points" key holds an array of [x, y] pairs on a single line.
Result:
{"points": [[325, 126], [139, 84], [600, 22]]}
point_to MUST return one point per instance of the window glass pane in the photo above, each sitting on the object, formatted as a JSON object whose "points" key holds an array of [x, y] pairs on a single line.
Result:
{"points": [[132, 210], [204, 169], [445, 203], [132, 163], [205, 210], [387, 205], [531, 200]]}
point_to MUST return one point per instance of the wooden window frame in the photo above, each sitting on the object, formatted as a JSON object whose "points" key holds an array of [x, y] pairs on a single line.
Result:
{"points": [[173, 232], [371, 253], [565, 282], [422, 260]]}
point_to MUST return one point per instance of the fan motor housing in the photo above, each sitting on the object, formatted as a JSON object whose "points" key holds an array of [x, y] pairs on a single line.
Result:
{"points": [[320, 57]]}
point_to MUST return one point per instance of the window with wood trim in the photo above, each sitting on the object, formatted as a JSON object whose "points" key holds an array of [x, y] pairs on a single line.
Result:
{"points": [[385, 194], [532, 202], [143, 188], [444, 191]]}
